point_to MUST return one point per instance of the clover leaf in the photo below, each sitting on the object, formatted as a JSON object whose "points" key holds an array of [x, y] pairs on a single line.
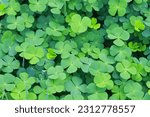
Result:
{"points": [[94, 24], [55, 86], [35, 38], [56, 6], [19, 22], [145, 63], [28, 20], [19, 94], [127, 26], [93, 5], [9, 64], [13, 7], [103, 65], [91, 50], [137, 22], [118, 93], [103, 80], [135, 46], [8, 43], [120, 53], [2, 9], [147, 52], [42, 93], [15, 23], [146, 33], [96, 93], [133, 90], [126, 69], [83, 23], [117, 33], [55, 29], [63, 48], [147, 21], [72, 64], [23, 84], [75, 86], [140, 72], [56, 72], [75, 4], [86, 62], [95, 67], [107, 61], [37, 5], [42, 22], [51, 54], [24, 81], [117, 6], [7, 82], [30, 52]]}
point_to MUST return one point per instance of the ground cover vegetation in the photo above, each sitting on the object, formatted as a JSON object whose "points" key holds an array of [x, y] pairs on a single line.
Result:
{"points": [[74, 49]]}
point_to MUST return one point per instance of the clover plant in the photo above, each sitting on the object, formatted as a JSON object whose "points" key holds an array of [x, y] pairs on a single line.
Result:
{"points": [[74, 50]]}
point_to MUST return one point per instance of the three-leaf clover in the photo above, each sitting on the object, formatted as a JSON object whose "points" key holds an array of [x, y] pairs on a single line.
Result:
{"points": [[8, 43], [55, 86], [9, 64], [24, 81], [28, 20], [91, 50], [118, 93], [42, 93], [126, 69], [96, 93], [30, 52], [133, 90], [117, 6], [13, 7], [120, 53], [7, 82], [55, 29], [135, 46], [75, 4], [106, 61], [94, 24], [15, 23], [23, 84], [86, 62], [72, 64], [83, 23], [103, 80], [56, 72], [56, 5], [75, 86], [37, 5], [20, 22], [63, 48], [35, 38], [95, 67], [93, 4], [20, 94], [117, 33], [137, 22], [2, 9], [51, 54]]}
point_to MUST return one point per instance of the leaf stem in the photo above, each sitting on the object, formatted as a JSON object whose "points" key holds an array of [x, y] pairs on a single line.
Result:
{"points": [[23, 62]]}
